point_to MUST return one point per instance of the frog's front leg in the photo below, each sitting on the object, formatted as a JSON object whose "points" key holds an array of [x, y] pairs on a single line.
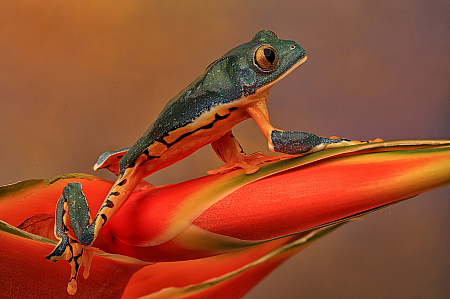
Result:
{"points": [[293, 142], [73, 226]]}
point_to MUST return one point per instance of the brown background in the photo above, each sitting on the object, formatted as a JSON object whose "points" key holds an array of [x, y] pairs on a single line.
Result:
{"points": [[79, 78]]}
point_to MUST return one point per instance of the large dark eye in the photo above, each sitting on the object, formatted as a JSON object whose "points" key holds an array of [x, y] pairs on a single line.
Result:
{"points": [[266, 57]]}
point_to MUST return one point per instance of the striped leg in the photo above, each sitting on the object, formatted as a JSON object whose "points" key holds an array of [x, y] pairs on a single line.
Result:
{"points": [[72, 201], [73, 226]]}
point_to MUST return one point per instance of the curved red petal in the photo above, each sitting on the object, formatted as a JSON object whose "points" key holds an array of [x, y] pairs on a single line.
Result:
{"points": [[25, 199], [25, 273], [322, 192]]}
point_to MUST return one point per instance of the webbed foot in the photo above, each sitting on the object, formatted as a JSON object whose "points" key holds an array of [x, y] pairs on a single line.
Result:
{"points": [[296, 143], [77, 255]]}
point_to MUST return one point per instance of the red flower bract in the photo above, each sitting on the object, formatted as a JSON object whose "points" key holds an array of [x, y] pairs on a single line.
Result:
{"points": [[237, 224]]}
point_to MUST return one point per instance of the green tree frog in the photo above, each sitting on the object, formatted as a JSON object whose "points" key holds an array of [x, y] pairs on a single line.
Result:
{"points": [[232, 88]]}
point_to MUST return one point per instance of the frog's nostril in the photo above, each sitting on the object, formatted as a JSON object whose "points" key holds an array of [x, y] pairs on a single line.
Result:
{"points": [[292, 47]]}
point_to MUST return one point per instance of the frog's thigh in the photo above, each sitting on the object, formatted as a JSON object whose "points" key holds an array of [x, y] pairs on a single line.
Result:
{"points": [[79, 217]]}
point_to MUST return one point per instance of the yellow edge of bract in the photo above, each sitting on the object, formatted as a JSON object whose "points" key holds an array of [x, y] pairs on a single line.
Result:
{"points": [[198, 239], [80, 176], [21, 186]]}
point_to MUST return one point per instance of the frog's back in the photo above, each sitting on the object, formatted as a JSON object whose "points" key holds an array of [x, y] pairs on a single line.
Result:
{"points": [[199, 98]]}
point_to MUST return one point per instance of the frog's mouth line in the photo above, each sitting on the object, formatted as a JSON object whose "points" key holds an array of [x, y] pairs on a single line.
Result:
{"points": [[296, 65]]}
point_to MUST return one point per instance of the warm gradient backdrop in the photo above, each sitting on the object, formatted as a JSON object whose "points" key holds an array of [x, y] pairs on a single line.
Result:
{"points": [[78, 78]]}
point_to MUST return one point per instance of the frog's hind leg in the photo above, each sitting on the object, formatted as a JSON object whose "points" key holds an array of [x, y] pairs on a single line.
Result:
{"points": [[73, 226], [72, 201]]}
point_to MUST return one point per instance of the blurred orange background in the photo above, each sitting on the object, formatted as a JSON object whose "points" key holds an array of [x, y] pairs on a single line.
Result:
{"points": [[78, 78]]}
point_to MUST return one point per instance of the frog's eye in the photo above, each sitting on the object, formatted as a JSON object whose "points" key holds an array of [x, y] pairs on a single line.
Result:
{"points": [[266, 57]]}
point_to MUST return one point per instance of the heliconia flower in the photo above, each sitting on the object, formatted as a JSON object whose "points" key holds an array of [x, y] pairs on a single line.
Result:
{"points": [[212, 237]]}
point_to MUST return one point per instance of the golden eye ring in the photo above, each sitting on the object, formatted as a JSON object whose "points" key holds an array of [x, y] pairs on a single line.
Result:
{"points": [[266, 58]]}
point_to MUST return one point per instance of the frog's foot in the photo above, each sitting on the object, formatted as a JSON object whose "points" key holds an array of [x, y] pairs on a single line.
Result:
{"points": [[247, 162], [77, 255], [71, 231], [295, 143]]}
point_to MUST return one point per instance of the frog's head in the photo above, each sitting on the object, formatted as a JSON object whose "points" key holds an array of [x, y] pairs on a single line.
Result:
{"points": [[253, 67], [265, 60]]}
